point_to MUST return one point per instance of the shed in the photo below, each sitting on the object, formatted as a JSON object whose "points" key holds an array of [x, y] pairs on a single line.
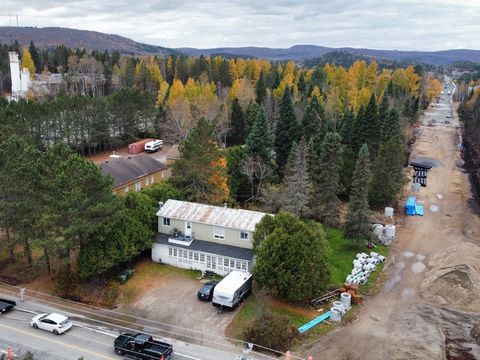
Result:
{"points": [[410, 206]]}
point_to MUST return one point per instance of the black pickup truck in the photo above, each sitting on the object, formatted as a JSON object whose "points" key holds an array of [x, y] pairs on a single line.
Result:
{"points": [[6, 305], [142, 346]]}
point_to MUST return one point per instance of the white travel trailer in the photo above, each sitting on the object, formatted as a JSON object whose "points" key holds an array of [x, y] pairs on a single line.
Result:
{"points": [[232, 289], [153, 145]]}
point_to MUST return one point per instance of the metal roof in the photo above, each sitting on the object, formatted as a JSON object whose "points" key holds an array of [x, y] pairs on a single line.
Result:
{"points": [[212, 215], [126, 169]]}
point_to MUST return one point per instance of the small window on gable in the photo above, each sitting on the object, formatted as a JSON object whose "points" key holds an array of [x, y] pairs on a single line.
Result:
{"points": [[244, 235], [166, 221], [218, 232]]}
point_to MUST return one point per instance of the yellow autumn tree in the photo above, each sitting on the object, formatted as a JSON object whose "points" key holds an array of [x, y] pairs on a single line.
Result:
{"points": [[162, 92], [219, 181], [434, 88], [27, 62]]}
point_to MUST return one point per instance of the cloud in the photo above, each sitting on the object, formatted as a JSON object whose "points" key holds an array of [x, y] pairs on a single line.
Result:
{"points": [[380, 24]]}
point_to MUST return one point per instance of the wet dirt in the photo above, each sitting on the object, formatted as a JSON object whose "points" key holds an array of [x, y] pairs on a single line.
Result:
{"points": [[433, 313]]}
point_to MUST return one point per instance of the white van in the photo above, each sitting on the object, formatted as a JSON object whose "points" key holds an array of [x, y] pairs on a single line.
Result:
{"points": [[232, 289], [153, 145]]}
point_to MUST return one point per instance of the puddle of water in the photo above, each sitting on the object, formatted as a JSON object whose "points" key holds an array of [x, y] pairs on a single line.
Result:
{"points": [[434, 208], [408, 292], [420, 257], [418, 267], [399, 266], [408, 254], [439, 196]]}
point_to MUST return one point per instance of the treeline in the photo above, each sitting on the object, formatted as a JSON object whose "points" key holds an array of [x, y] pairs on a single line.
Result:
{"points": [[87, 125], [57, 202], [469, 113]]}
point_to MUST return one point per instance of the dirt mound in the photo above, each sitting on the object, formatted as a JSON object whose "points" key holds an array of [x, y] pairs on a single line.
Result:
{"points": [[454, 278]]}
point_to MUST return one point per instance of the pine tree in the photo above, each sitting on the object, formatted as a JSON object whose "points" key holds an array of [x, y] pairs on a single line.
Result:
{"points": [[372, 128], [201, 170], [287, 131], [383, 119], [261, 89], [313, 121], [260, 141], [181, 69], [327, 185], [388, 178], [357, 226], [251, 114], [236, 134], [297, 184], [35, 56]]}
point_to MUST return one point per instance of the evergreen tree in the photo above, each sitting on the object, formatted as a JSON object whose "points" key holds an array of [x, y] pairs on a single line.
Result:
{"points": [[383, 119], [224, 76], [259, 141], [314, 120], [372, 128], [236, 133], [200, 166], [357, 226], [286, 132], [348, 154], [297, 185], [291, 258], [327, 185], [181, 69], [35, 56], [388, 178], [261, 89], [251, 115]]}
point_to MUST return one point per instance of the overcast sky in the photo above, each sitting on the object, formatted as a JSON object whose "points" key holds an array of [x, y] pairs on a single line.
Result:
{"points": [[378, 24]]}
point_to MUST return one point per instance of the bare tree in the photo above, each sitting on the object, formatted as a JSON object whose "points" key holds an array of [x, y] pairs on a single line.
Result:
{"points": [[256, 170]]}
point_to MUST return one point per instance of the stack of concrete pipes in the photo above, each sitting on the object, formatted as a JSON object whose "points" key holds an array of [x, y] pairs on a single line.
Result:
{"points": [[363, 266]]}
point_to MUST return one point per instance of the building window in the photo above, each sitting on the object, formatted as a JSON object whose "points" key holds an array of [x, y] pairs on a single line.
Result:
{"points": [[166, 221], [146, 181], [195, 257], [244, 265], [151, 179], [138, 186], [126, 189], [202, 258], [218, 232], [244, 235]]}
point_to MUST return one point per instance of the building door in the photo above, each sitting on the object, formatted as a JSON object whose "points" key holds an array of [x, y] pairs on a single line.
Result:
{"points": [[188, 228]]}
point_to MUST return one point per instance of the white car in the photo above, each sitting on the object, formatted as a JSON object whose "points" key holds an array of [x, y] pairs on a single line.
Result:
{"points": [[53, 322]]}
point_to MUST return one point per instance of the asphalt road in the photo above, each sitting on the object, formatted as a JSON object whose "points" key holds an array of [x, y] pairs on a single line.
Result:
{"points": [[86, 339]]}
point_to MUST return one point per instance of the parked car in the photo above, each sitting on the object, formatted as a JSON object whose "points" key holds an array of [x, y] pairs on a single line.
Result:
{"points": [[153, 145], [142, 346], [449, 116], [206, 291], [53, 322]]}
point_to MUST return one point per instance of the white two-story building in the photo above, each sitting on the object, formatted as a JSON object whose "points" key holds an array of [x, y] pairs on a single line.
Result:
{"points": [[205, 237]]}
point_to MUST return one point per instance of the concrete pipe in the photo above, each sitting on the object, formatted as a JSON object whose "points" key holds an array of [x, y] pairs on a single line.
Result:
{"points": [[346, 300], [382, 258], [340, 305], [335, 314], [373, 254], [363, 280], [358, 265]]}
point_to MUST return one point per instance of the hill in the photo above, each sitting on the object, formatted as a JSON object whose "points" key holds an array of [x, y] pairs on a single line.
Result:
{"points": [[306, 52], [49, 37]]}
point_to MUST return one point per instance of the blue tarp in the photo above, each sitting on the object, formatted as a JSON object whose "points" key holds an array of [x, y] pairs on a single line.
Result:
{"points": [[314, 322], [410, 205]]}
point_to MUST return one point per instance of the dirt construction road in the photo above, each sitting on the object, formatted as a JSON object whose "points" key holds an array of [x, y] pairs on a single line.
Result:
{"points": [[429, 307]]}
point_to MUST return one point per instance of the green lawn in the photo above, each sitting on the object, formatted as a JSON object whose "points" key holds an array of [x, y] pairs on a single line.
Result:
{"points": [[341, 253]]}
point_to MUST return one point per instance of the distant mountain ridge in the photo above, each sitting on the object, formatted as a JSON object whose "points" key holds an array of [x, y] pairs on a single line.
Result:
{"points": [[90, 40], [49, 37], [306, 52]]}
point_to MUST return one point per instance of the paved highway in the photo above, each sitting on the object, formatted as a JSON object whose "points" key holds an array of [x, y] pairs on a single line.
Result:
{"points": [[87, 338]]}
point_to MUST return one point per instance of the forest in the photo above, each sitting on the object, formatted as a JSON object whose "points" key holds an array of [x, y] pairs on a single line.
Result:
{"points": [[257, 134]]}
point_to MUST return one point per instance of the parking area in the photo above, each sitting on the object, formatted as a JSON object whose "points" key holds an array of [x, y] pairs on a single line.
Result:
{"points": [[169, 295]]}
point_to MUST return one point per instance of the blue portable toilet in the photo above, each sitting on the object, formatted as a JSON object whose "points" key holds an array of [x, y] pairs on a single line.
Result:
{"points": [[410, 205]]}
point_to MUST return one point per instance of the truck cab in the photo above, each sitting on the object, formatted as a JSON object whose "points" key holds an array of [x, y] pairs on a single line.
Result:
{"points": [[142, 346]]}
